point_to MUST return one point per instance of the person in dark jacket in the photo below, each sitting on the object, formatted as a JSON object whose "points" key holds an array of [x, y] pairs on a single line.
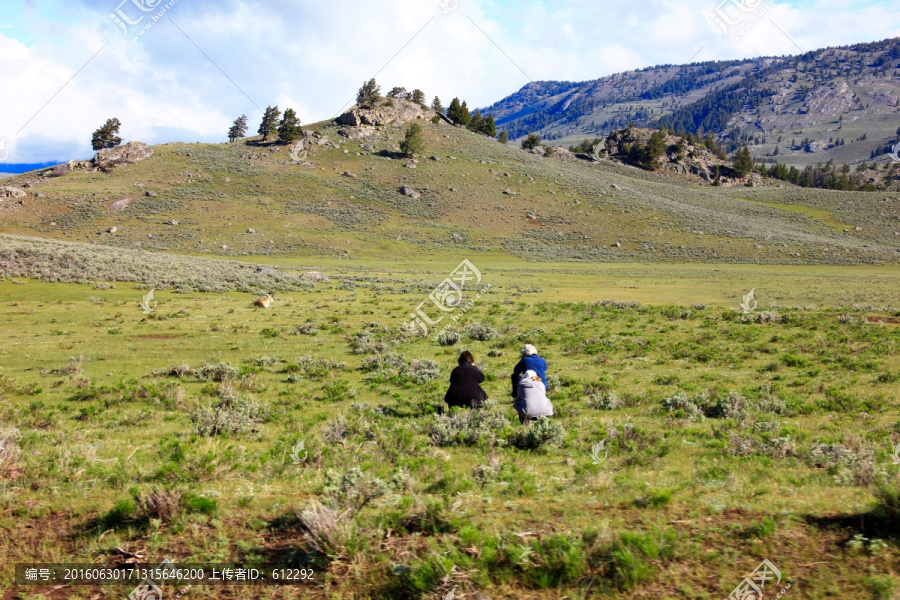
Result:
{"points": [[530, 362], [464, 384]]}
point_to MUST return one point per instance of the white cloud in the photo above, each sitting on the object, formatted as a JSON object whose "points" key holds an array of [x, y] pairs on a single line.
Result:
{"points": [[312, 56]]}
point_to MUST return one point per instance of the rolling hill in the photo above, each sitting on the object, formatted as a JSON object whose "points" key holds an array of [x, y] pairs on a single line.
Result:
{"points": [[359, 198]]}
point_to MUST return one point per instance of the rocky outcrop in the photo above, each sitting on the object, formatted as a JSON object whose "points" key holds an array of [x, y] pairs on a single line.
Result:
{"points": [[131, 152], [396, 112], [11, 192]]}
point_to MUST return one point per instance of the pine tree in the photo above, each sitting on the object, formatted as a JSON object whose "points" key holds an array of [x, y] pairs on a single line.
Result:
{"points": [[290, 129], [238, 129], [504, 137], [269, 122], [436, 105], [369, 94], [655, 147], [453, 112], [414, 142], [107, 136], [532, 141], [475, 121], [743, 162], [417, 96], [397, 92], [489, 126], [465, 115]]}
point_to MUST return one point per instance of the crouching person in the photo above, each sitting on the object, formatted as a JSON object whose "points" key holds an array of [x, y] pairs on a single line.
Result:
{"points": [[465, 389], [531, 398]]}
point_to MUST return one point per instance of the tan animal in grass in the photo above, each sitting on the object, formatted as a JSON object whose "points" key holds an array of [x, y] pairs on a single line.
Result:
{"points": [[264, 302]]}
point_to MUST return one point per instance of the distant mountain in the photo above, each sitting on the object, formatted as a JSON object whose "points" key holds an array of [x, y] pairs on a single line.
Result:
{"points": [[836, 103]]}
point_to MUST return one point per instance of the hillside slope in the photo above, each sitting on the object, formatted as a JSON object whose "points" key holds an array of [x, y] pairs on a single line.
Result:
{"points": [[841, 103], [467, 193]]}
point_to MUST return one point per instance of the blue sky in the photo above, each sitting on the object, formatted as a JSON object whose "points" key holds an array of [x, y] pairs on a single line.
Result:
{"points": [[206, 62]]}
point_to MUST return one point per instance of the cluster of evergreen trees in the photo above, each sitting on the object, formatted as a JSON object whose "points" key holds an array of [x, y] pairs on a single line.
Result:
{"points": [[287, 126], [458, 113], [827, 176]]}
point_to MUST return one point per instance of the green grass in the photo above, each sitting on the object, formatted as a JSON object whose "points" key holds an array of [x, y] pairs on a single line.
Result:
{"points": [[818, 214], [98, 421]]}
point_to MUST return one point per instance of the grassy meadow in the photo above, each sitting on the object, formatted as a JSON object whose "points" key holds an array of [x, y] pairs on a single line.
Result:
{"points": [[728, 438]]}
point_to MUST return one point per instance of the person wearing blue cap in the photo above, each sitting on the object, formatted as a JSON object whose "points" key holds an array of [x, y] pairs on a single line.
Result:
{"points": [[530, 362]]}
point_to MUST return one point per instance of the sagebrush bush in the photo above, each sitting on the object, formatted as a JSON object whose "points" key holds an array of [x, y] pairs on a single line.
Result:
{"points": [[467, 428], [449, 337], [603, 400], [847, 466], [218, 372], [233, 414], [733, 406], [480, 332], [365, 342], [394, 367], [354, 488], [421, 370], [541, 432], [680, 406]]}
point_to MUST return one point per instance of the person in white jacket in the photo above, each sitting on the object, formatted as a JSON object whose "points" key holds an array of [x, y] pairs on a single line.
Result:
{"points": [[531, 398]]}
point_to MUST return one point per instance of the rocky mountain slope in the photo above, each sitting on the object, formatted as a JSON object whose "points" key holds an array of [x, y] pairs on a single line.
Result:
{"points": [[344, 190], [836, 103]]}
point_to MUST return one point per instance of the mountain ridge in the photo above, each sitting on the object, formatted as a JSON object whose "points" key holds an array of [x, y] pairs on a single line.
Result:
{"points": [[767, 103]]}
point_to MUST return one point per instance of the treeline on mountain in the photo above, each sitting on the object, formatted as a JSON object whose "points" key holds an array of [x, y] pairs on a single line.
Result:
{"points": [[567, 107], [829, 176]]}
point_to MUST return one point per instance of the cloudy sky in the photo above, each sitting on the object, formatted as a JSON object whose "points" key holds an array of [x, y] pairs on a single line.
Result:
{"points": [[67, 65]]}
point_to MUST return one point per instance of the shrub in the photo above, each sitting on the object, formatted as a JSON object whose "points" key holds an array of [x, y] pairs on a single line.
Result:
{"points": [[541, 432], [305, 329], [683, 407], [337, 391], [364, 342], [218, 372], [764, 316], [603, 400], [421, 371], [326, 530], [231, 415], [381, 363], [266, 361], [480, 332], [314, 368], [733, 406], [163, 505], [467, 428], [449, 337], [847, 466], [354, 488]]}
